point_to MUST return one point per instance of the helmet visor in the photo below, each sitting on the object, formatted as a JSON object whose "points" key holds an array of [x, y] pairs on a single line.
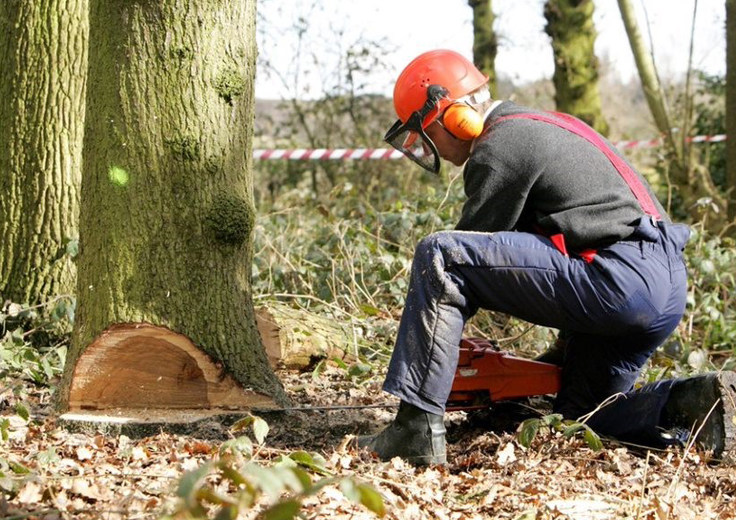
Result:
{"points": [[410, 139], [414, 143]]}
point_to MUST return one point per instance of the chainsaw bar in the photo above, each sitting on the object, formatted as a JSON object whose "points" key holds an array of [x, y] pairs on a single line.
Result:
{"points": [[324, 408]]}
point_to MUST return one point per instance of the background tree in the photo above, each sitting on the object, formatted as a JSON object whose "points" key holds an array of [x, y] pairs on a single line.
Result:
{"points": [[165, 318], [43, 64], [485, 43], [570, 25], [693, 183], [731, 106]]}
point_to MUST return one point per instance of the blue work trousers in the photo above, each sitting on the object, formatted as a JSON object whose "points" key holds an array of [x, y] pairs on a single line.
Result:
{"points": [[616, 311]]}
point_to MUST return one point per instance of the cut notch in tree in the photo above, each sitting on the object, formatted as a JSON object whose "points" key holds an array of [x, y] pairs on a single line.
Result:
{"points": [[142, 366]]}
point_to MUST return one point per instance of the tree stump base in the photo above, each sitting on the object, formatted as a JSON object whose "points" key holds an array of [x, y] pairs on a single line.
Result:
{"points": [[144, 367], [136, 424]]}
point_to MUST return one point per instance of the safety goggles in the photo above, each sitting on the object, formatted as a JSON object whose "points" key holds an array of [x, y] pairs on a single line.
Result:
{"points": [[410, 139]]}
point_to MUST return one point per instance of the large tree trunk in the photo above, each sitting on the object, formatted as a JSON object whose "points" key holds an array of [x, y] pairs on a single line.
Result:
{"points": [[570, 25], [485, 44], [43, 68], [731, 106], [165, 318]]}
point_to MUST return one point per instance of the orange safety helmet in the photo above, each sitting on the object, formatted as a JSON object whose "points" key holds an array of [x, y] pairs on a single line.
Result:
{"points": [[433, 85], [441, 67]]}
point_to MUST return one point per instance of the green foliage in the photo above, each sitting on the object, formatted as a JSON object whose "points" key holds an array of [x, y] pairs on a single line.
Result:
{"points": [[19, 359], [346, 257], [529, 429], [234, 483], [709, 109], [260, 427], [706, 339]]}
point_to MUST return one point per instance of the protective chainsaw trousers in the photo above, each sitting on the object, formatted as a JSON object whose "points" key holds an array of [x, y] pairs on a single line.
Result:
{"points": [[616, 310]]}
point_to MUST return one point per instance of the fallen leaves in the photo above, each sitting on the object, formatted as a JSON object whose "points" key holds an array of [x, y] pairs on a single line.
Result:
{"points": [[490, 475]]}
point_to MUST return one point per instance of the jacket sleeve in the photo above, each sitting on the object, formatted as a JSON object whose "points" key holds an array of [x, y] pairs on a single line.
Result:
{"points": [[496, 195]]}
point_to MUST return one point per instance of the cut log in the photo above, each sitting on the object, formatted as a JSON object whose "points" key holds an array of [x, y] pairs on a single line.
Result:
{"points": [[293, 338], [142, 366]]}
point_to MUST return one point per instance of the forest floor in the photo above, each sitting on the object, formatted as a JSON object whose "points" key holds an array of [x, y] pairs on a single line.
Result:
{"points": [[51, 473]]}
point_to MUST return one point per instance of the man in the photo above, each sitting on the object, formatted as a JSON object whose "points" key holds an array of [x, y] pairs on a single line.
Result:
{"points": [[557, 230]]}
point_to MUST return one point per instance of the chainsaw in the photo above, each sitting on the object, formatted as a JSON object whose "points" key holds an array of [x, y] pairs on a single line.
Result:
{"points": [[485, 374]]}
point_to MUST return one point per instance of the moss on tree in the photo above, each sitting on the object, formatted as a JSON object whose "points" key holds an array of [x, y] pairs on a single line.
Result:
{"points": [[570, 24], [184, 147], [230, 84], [485, 43], [230, 219]]}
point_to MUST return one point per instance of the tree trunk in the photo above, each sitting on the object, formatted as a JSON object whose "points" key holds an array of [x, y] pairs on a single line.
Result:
{"points": [[731, 106], [570, 25], [485, 44], [165, 317], [693, 182], [43, 66]]}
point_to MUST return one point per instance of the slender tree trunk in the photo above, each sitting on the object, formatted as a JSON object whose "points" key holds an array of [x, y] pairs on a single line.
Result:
{"points": [[485, 44], [165, 318], [693, 182], [43, 66], [647, 71], [570, 25], [731, 106]]}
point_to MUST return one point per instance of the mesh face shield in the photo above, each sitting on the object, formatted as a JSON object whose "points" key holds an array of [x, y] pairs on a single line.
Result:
{"points": [[410, 139], [415, 145]]}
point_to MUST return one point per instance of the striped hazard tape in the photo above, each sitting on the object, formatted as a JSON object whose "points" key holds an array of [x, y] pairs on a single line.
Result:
{"points": [[324, 154]]}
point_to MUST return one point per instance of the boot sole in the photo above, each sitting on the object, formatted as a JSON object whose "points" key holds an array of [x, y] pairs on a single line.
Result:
{"points": [[366, 442], [431, 460], [716, 432], [727, 411]]}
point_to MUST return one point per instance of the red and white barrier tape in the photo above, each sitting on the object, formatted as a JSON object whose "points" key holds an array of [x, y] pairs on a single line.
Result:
{"points": [[324, 154]]}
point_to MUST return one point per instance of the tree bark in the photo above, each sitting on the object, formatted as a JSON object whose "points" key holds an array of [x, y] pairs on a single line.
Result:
{"points": [[485, 43], [731, 106], [43, 66], [165, 317], [570, 25]]}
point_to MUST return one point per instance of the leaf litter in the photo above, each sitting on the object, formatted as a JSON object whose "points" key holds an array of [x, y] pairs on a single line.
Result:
{"points": [[49, 473]]}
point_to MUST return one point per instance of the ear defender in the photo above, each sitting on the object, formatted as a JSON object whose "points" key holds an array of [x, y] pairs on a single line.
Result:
{"points": [[463, 121]]}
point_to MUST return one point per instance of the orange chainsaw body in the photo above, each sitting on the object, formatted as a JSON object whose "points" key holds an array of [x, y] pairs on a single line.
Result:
{"points": [[485, 374]]}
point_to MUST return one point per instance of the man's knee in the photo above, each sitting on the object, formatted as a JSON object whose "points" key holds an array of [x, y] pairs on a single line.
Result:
{"points": [[433, 246]]}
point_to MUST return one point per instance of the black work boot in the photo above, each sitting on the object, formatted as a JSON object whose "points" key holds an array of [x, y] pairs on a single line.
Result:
{"points": [[414, 435], [691, 400]]}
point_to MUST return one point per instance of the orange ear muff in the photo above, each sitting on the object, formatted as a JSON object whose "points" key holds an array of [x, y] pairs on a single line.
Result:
{"points": [[463, 121]]}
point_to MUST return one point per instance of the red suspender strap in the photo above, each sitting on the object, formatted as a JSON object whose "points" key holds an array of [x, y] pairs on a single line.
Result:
{"points": [[577, 127]]}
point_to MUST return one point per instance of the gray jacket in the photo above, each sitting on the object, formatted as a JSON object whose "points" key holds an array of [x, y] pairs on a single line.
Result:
{"points": [[533, 176]]}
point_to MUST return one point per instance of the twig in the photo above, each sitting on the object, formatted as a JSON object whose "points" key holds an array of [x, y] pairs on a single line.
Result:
{"points": [[518, 336], [643, 486], [447, 191], [306, 297], [687, 450], [584, 418]]}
